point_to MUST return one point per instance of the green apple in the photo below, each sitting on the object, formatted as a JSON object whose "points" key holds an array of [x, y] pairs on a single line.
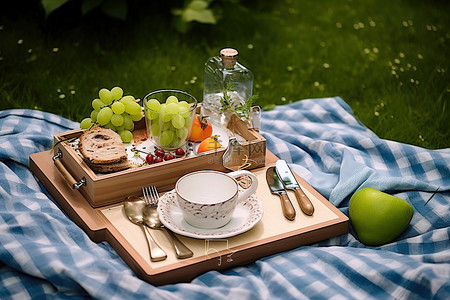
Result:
{"points": [[378, 218]]}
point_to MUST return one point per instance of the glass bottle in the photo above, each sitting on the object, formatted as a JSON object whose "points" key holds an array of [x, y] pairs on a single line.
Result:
{"points": [[228, 86]]}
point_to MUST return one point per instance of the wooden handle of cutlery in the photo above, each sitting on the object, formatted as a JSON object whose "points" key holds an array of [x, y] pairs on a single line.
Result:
{"points": [[286, 206], [304, 202]]}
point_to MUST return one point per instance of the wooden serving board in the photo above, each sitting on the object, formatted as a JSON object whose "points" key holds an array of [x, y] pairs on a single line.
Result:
{"points": [[273, 234]]}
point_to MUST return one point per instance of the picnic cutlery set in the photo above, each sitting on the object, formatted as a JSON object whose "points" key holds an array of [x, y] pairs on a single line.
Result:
{"points": [[202, 190], [144, 214]]}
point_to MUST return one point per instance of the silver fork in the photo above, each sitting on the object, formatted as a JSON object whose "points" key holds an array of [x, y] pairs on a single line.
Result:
{"points": [[151, 219]]}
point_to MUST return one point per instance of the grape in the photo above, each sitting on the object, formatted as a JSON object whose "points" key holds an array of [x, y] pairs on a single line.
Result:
{"points": [[182, 133], [104, 116], [166, 138], [94, 114], [136, 118], [149, 114], [116, 93], [132, 108], [105, 96], [166, 117], [127, 122], [117, 120], [185, 105], [172, 99], [103, 93], [97, 104], [188, 121], [176, 142], [154, 129], [171, 108], [154, 105], [126, 136], [152, 115], [127, 99], [167, 111], [86, 123], [163, 110], [115, 111], [110, 126], [183, 109], [178, 121], [118, 107], [166, 126]]}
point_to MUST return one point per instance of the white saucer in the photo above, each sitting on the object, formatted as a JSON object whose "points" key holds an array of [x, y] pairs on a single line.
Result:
{"points": [[246, 215]]}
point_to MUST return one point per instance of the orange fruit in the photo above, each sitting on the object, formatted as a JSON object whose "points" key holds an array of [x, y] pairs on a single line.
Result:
{"points": [[210, 143], [201, 129]]}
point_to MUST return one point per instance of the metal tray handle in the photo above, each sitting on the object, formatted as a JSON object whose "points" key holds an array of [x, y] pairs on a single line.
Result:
{"points": [[59, 165]]}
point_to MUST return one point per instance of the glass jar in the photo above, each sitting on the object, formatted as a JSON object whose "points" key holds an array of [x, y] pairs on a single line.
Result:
{"points": [[228, 88], [169, 115]]}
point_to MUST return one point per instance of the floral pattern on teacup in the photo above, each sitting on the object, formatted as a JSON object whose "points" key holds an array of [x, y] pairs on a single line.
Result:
{"points": [[209, 211]]}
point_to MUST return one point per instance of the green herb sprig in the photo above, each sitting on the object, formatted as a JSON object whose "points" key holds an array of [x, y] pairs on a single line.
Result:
{"points": [[241, 110]]}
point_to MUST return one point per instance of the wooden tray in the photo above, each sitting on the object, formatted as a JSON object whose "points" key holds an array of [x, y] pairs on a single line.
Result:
{"points": [[96, 188], [271, 235]]}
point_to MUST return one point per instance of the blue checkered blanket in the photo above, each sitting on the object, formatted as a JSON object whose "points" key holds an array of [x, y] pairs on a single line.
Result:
{"points": [[43, 254]]}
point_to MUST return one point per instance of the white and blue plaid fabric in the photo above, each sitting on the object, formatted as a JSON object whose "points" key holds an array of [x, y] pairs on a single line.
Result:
{"points": [[44, 255]]}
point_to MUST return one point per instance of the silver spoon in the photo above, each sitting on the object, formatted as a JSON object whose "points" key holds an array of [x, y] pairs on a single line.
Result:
{"points": [[151, 219], [134, 212]]}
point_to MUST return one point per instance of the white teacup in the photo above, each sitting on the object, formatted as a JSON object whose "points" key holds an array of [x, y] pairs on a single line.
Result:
{"points": [[208, 198]]}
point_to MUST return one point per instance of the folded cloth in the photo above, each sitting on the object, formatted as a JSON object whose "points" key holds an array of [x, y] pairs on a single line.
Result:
{"points": [[45, 255]]}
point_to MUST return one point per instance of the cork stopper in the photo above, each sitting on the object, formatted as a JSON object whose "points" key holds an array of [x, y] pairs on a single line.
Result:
{"points": [[229, 57]]}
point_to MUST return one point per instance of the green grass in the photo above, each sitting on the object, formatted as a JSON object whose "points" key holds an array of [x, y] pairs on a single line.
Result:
{"points": [[389, 60]]}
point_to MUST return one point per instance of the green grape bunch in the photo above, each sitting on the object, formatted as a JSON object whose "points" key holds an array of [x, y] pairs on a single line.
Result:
{"points": [[115, 111]]}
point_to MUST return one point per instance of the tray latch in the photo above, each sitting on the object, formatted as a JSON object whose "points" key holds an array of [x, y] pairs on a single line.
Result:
{"points": [[75, 184]]}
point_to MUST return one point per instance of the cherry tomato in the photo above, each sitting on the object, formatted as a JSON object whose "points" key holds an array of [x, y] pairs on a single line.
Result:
{"points": [[149, 159], [159, 152], [179, 152], [168, 156]]}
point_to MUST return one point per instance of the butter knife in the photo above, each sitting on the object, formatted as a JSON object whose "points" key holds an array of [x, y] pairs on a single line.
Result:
{"points": [[290, 183], [276, 187]]}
